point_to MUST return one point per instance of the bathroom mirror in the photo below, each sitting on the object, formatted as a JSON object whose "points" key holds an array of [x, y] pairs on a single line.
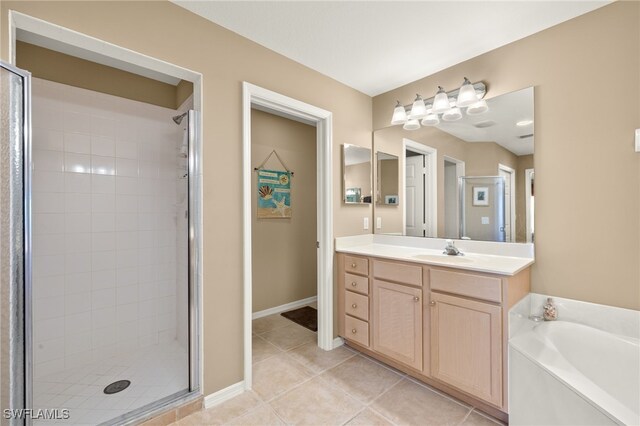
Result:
{"points": [[356, 173], [464, 179], [387, 187]]}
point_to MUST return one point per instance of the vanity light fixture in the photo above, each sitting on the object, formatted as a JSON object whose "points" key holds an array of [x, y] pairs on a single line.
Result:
{"points": [[442, 107]]}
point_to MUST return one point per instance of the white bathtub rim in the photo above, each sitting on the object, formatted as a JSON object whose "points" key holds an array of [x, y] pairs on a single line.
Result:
{"points": [[606, 404]]}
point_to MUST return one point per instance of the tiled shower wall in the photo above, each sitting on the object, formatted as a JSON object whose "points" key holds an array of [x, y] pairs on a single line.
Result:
{"points": [[105, 180]]}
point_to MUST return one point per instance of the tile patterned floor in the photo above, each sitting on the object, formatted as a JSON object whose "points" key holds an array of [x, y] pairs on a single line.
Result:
{"points": [[295, 383]]}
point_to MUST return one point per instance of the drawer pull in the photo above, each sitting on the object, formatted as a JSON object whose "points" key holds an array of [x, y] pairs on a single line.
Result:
{"points": [[354, 331], [354, 306], [353, 265], [432, 303], [416, 299], [354, 284]]}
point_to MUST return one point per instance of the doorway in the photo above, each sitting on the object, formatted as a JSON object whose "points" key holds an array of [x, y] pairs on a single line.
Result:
{"points": [[453, 171], [419, 186], [509, 176], [255, 97]]}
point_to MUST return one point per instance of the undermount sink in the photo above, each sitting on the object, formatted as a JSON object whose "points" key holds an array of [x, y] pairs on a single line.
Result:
{"points": [[443, 258]]}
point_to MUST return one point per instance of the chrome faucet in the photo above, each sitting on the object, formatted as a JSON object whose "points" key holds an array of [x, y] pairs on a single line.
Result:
{"points": [[452, 250]]}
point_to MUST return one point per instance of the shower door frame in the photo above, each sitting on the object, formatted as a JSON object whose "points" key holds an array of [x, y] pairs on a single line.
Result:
{"points": [[22, 349]]}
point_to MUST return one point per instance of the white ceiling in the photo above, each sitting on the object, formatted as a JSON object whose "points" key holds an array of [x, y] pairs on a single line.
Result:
{"points": [[504, 112], [376, 46]]}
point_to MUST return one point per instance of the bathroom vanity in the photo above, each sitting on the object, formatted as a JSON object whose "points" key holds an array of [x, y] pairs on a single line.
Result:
{"points": [[441, 319]]}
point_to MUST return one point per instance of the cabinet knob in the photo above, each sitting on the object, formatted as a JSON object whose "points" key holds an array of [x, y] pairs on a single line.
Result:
{"points": [[354, 283], [432, 303], [354, 306], [416, 299], [353, 265], [354, 331]]}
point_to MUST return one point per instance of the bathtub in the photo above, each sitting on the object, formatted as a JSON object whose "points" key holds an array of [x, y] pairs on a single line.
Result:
{"points": [[572, 373]]}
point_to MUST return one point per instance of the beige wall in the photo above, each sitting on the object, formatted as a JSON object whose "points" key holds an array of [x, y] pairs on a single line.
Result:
{"points": [[358, 176], [225, 60], [284, 250], [587, 247], [55, 66]]}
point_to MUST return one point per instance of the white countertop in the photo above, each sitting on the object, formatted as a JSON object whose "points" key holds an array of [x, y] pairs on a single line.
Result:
{"points": [[489, 263]]}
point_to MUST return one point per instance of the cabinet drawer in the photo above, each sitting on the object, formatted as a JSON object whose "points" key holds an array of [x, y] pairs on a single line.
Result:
{"points": [[356, 330], [471, 285], [356, 283], [356, 265], [398, 272], [356, 305]]}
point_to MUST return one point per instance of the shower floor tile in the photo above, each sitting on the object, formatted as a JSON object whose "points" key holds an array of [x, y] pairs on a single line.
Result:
{"points": [[155, 372]]}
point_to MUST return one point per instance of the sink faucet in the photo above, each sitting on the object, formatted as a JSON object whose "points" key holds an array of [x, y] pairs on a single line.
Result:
{"points": [[452, 250]]}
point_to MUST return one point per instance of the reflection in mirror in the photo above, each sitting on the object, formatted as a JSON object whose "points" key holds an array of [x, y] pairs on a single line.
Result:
{"points": [[440, 169], [387, 179], [356, 173]]}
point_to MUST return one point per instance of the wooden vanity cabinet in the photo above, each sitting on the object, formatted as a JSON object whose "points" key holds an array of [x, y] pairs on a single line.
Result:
{"points": [[444, 326]]}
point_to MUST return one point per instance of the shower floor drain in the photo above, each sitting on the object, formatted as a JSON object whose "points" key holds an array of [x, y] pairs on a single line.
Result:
{"points": [[116, 387]]}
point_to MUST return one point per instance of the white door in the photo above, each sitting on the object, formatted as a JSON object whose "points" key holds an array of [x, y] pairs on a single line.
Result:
{"points": [[509, 212], [415, 177]]}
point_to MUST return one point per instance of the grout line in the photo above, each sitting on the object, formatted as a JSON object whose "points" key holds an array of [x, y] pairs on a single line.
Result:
{"points": [[380, 414], [437, 392], [465, 417]]}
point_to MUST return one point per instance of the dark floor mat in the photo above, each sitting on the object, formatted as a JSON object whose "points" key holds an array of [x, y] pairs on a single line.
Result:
{"points": [[305, 316]]}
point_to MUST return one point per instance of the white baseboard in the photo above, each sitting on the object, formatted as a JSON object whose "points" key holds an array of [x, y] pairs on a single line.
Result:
{"points": [[337, 342], [284, 308], [224, 394]]}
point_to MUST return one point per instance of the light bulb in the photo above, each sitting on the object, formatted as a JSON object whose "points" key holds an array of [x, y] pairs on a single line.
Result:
{"points": [[411, 124], [478, 108], [467, 94], [452, 115], [431, 120], [419, 109], [399, 115], [524, 123], [441, 101]]}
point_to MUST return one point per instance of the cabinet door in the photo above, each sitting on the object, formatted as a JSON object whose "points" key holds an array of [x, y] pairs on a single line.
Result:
{"points": [[466, 346], [397, 322]]}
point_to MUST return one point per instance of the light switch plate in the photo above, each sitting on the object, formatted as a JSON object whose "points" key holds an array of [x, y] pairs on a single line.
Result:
{"points": [[378, 223], [485, 220], [365, 223], [637, 140]]}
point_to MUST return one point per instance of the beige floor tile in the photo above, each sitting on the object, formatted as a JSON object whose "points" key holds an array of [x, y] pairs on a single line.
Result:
{"points": [[315, 403], [478, 419], [318, 360], [261, 416], [408, 403], [369, 418], [361, 378], [277, 375], [225, 412], [269, 323], [289, 336], [262, 349]]}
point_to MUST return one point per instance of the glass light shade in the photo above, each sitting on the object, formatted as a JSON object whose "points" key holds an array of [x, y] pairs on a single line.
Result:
{"points": [[419, 109], [478, 108], [441, 101], [467, 94], [430, 120], [452, 115], [399, 115], [411, 124]]}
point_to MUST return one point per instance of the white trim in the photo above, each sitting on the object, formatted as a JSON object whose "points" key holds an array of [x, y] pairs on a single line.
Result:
{"points": [[460, 171], [337, 342], [284, 308], [285, 106], [71, 37], [224, 395], [528, 174], [432, 202], [512, 219]]}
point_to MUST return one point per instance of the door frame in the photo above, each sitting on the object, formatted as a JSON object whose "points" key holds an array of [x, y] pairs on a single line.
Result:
{"points": [[431, 208], [284, 106], [528, 177], [83, 41], [512, 201], [460, 171]]}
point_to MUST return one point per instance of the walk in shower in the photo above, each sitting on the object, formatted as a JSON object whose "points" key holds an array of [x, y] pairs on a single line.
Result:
{"points": [[104, 197]]}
